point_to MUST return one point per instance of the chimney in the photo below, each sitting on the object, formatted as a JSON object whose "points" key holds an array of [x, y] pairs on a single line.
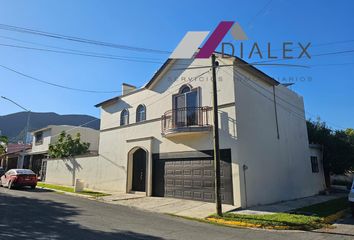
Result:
{"points": [[127, 88]]}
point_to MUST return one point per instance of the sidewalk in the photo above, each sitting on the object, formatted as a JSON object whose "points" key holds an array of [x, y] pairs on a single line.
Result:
{"points": [[344, 227], [198, 209], [287, 206], [180, 207]]}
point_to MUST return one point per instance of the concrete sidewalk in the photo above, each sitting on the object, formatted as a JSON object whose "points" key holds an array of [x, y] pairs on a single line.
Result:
{"points": [[180, 207], [287, 206], [343, 227], [197, 209]]}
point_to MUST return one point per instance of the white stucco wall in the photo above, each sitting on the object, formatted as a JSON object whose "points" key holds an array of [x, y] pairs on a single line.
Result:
{"points": [[278, 169], [318, 178]]}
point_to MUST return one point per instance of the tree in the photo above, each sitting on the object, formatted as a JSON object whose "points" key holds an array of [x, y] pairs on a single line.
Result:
{"points": [[350, 134], [3, 143], [338, 147], [66, 146]]}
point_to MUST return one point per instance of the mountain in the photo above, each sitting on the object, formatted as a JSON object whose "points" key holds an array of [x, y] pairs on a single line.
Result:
{"points": [[13, 125]]}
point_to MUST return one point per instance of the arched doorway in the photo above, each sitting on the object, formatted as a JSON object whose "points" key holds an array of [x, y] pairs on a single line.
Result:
{"points": [[139, 170]]}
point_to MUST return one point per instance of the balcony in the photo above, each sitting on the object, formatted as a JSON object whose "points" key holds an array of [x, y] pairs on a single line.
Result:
{"points": [[189, 120]]}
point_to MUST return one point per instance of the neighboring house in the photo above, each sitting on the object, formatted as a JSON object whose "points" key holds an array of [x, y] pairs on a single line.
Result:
{"points": [[13, 156], [158, 139], [43, 137]]}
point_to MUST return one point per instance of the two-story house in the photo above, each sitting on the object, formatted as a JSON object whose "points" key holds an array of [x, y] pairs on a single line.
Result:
{"points": [[158, 139], [43, 137]]}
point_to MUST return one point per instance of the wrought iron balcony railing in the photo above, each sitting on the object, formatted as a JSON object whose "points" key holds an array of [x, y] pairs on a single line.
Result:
{"points": [[185, 119]]}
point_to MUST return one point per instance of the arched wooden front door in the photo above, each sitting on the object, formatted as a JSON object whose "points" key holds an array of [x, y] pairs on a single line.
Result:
{"points": [[139, 170]]}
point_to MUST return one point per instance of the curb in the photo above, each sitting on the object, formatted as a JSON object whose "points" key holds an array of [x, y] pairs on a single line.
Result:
{"points": [[334, 217], [71, 194], [327, 220], [247, 225]]}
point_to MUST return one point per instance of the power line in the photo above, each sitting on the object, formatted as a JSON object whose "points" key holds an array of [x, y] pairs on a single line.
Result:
{"points": [[88, 54], [285, 101], [79, 39], [259, 12], [333, 53], [332, 64], [316, 55], [144, 99], [55, 84], [123, 58], [74, 50], [141, 60], [320, 44]]}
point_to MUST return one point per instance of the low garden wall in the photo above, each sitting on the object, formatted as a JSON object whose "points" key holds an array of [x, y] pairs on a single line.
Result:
{"points": [[96, 173]]}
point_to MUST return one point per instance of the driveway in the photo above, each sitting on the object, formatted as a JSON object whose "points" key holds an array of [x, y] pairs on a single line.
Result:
{"points": [[39, 214], [180, 207]]}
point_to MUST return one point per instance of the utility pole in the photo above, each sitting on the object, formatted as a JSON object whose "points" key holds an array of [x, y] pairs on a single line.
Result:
{"points": [[26, 128], [214, 65]]}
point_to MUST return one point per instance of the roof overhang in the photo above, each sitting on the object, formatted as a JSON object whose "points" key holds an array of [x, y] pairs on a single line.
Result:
{"points": [[238, 62], [42, 129]]}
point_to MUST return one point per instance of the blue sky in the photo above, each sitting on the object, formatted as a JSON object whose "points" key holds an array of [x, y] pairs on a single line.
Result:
{"points": [[327, 88]]}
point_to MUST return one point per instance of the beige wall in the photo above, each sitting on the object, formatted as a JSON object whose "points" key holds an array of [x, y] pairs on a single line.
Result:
{"points": [[45, 144], [113, 138], [278, 169], [96, 174], [51, 135]]}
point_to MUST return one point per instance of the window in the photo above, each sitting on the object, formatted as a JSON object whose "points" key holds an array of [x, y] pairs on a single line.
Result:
{"points": [[185, 105], [314, 164], [140, 113], [39, 138], [124, 117], [184, 89]]}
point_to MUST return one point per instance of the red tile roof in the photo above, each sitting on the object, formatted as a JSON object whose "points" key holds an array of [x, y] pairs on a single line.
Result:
{"points": [[17, 147]]}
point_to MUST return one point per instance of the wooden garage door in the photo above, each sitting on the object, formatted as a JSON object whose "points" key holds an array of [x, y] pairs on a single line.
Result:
{"points": [[192, 177]]}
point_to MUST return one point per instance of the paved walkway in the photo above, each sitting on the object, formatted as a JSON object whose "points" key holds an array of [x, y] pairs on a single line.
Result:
{"points": [[197, 209], [180, 207]]}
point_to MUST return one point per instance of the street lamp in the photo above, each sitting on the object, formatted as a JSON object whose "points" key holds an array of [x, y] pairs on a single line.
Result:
{"points": [[26, 129]]}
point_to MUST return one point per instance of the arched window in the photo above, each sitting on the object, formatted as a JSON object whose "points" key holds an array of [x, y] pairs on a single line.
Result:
{"points": [[124, 117], [140, 113], [184, 89]]}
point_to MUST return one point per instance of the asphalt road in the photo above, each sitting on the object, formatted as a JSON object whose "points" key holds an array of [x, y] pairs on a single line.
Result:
{"points": [[39, 214]]}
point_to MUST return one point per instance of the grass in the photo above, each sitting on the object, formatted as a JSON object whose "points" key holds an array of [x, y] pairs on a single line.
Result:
{"points": [[341, 182], [325, 209], [278, 221], [71, 190], [306, 218]]}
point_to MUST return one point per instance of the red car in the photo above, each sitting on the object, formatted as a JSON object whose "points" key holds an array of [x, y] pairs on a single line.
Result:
{"points": [[19, 178]]}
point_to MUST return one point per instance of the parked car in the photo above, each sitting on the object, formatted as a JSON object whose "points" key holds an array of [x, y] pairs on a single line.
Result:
{"points": [[351, 198], [2, 171], [19, 178]]}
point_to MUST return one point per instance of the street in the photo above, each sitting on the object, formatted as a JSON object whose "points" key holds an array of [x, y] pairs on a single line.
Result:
{"points": [[41, 214]]}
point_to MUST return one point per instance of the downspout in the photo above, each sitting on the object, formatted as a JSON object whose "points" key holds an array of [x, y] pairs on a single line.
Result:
{"points": [[275, 111], [244, 167]]}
